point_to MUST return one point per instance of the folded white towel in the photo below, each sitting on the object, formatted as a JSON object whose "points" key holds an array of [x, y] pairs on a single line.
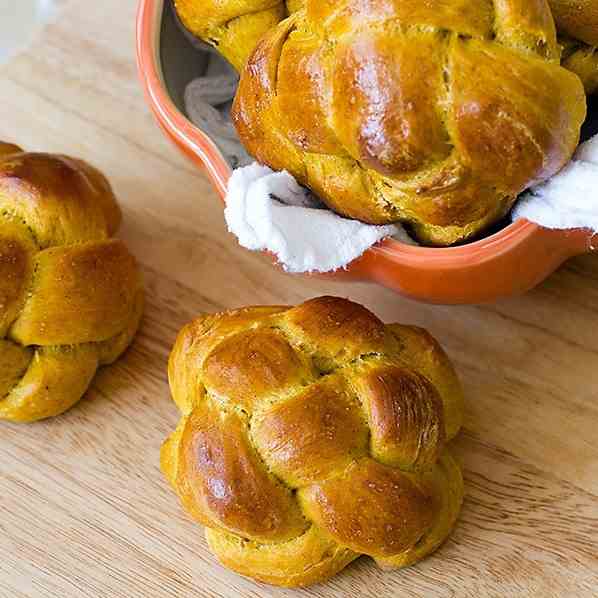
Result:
{"points": [[569, 199], [270, 211]]}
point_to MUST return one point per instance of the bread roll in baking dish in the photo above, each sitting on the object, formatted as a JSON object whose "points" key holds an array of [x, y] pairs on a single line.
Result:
{"points": [[436, 114], [233, 26]]}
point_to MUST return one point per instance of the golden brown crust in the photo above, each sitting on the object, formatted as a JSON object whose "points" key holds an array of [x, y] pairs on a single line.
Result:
{"points": [[60, 199], [445, 482], [17, 249], [371, 508], [422, 352], [56, 379], [196, 341], [7, 149], [405, 415], [235, 30], [92, 286], [337, 330], [435, 115], [227, 483], [277, 564], [311, 435], [15, 360], [251, 364], [67, 290]]}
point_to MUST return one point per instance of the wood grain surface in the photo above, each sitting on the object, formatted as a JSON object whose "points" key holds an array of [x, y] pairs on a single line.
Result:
{"points": [[85, 510]]}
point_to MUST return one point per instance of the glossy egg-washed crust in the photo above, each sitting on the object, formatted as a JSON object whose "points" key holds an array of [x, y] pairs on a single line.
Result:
{"points": [[437, 114], [70, 296], [312, 435]]}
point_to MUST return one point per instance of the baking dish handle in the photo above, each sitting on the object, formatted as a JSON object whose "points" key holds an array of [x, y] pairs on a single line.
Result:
{"points": [[578, 241]]}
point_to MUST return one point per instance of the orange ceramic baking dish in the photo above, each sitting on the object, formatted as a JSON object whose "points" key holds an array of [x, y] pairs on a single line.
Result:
{"points": [[509, 262]]}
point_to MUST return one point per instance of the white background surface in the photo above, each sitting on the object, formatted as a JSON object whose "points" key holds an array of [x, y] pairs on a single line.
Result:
{"points": [[20, 21]]}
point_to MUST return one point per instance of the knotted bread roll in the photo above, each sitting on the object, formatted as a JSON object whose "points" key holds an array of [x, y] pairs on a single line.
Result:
{"points": [[70, 297], [233, 26], [434, 113], [310, 436], [578, 21]]}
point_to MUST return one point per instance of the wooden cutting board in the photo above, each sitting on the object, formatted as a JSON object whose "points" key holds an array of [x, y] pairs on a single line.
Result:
{"points": [[85, 510]]}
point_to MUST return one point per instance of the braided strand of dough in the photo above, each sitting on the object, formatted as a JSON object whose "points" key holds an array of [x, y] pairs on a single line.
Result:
{"points": [[233, 26]]}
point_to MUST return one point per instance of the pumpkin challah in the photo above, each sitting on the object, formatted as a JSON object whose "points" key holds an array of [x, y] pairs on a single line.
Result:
{"points": [[70, 297], [310, 436], [236, 26], [434, 113]]}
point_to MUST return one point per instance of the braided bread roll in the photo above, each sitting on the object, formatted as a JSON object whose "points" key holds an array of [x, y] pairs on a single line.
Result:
{"points": [[578, 21], [233, 26], [436, 114], [70, 297], [310, 436]]}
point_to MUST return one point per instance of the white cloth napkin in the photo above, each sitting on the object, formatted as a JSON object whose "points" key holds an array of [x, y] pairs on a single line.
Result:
{"points": [[208, 101], [270, 211], [569, 199]]}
